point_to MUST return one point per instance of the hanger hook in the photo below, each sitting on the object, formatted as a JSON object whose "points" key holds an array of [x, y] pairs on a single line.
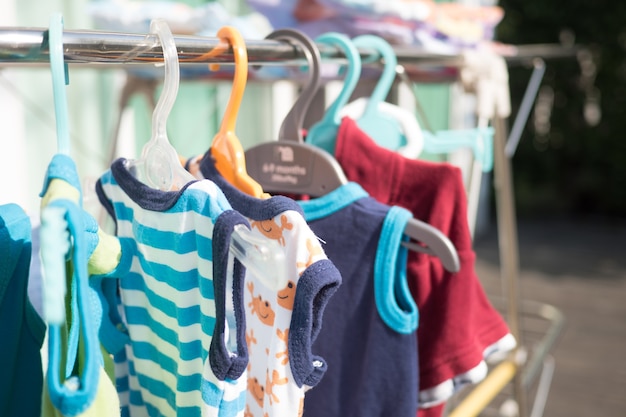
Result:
{"points": [[160, 163], [324, 132], [389, 70], [237, 43], [226, 148], [172, 78], [58, 68], [291, 128], [351, 79]]}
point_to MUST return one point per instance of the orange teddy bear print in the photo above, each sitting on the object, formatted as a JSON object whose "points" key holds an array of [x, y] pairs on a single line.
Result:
{"points": [[250, 339], [271, 229], [261, 308], [269, 384], [284, 336], [315, 249], [285, 297], [301, 407], [257, 390]]}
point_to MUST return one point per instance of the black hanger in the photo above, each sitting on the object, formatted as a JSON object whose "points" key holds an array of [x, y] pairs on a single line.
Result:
{"points": [[289, 165]]}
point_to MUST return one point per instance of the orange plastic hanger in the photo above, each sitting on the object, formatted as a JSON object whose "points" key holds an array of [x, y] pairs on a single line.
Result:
{"points": [[226, 148]]}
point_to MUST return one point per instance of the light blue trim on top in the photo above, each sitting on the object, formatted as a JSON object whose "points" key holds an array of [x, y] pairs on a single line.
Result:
{"points": [[64, 168], [332, 202], [393, 298]]}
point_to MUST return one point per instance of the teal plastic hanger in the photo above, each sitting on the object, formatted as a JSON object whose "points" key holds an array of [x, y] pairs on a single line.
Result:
{"points": [[291, 166], [479, 140], [60, 78], [63, 231], [381, 127], [323, 134], [54, 236], [288, 165]]}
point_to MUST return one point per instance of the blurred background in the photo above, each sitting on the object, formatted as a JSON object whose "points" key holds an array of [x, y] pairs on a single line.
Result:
{"points": [[569, 170], [572, 161], [570, 188]]}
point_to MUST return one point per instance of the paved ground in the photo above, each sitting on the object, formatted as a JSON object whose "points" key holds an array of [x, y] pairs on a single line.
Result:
{"points": [[580, 268]]}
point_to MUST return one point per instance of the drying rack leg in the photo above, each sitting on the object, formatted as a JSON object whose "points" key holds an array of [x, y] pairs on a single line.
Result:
{"points": [[485, 392], [508, 246]]}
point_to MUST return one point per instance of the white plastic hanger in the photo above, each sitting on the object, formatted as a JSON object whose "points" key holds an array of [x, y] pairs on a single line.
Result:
{"points": [[159, 165], [412, 136], [388, 125], [416, 139]]}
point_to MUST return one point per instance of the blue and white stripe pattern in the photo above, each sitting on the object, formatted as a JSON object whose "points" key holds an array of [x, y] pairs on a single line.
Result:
{"points": [[169, 297]]}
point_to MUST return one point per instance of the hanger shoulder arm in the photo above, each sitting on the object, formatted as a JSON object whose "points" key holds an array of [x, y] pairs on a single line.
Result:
{"points": [[433, 242]]}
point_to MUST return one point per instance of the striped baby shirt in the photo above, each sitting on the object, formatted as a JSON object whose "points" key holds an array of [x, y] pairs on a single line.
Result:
{"points": [[172, 286]]}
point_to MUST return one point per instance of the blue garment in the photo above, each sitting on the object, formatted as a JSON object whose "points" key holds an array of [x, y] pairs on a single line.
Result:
{"points": [[75, 377], [21, 329], [173, 277], [372, 368]]}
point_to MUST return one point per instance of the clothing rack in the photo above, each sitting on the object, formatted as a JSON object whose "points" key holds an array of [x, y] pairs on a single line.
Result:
{"points": [[25, 46], [29, 45]]}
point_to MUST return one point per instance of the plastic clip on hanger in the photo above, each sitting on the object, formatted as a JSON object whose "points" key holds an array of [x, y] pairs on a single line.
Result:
{"points": [[226, 148], [389, 130], [159, 165], [323, 134], [289, 165]]}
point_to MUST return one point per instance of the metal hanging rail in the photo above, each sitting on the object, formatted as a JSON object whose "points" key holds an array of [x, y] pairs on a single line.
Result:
{"points": [[29, 45]]}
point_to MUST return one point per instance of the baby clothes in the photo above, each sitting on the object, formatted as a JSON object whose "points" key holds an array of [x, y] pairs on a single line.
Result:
{"points": [[283, 319], [369, 337], [74, 354], [21, 379], [458, 326], [173, 278]]}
